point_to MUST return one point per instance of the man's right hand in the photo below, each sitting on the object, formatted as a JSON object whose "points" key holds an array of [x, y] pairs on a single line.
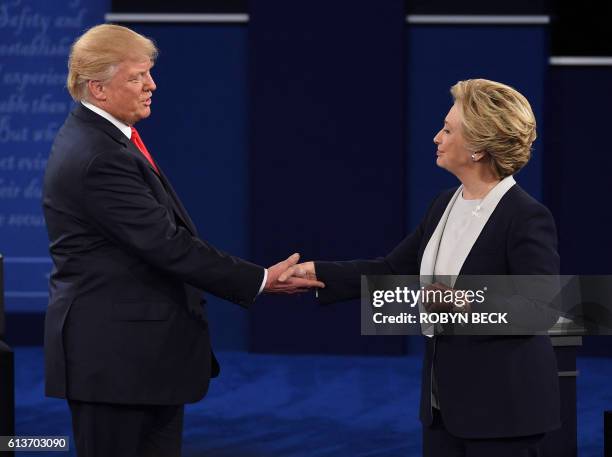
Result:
{"points": [[288, 277]]}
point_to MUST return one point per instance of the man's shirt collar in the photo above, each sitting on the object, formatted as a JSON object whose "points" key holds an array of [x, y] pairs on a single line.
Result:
{"points": [[124, 128]]}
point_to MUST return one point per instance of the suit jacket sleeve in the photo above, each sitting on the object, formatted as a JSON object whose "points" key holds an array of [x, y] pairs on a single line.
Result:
{"points": [[122, 206]]}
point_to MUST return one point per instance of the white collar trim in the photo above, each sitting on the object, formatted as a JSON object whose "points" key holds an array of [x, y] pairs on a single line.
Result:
{"points": [[124, 128]]}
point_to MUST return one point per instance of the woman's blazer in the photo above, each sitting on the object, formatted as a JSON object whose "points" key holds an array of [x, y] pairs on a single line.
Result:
{"points": [[488, 386]]}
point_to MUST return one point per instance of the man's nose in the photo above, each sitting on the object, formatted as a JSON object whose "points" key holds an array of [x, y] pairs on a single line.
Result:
{"points": [[150, 83]]}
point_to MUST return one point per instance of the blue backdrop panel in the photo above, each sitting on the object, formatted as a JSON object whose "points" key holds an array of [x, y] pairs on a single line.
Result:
{"points": [[578, 168], [577, 173], [438, 57], [197, 133], [35, 38], [327, 160]]}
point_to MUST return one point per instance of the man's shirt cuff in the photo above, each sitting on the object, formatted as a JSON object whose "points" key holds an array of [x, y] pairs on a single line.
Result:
{"points": [[263, 283]]}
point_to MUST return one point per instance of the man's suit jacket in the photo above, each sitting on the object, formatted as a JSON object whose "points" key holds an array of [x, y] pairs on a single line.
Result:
{"points": [[125, 322], [488, 386]]}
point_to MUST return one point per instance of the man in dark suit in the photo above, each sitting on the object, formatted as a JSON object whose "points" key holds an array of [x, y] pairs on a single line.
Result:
{"points": [[126, 339]]}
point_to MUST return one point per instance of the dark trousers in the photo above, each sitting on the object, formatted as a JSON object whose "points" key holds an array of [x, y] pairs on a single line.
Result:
{"points": [[438, 442], [104, 430]]}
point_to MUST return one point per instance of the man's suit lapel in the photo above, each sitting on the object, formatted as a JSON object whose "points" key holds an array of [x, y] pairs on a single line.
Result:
{"points": [[133, 149], [179, 209], [87, 115], [177, 206]]}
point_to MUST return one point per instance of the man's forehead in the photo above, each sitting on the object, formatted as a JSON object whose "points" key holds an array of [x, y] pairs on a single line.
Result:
{"points": [[138, 62]]}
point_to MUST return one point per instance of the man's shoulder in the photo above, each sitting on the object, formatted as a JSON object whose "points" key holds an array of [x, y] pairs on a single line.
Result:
{"points": [[76, 144], [87, 135], [85, 125]]}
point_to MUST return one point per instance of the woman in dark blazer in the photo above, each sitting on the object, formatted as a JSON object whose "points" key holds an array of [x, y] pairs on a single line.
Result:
{"points": [[489, 395]]}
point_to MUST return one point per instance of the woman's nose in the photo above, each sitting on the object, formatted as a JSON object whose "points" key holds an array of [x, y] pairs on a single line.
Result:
{"points": [[436, 139]]}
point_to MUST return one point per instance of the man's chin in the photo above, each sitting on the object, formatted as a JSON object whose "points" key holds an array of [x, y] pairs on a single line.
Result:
{"points": [[143, 114]]}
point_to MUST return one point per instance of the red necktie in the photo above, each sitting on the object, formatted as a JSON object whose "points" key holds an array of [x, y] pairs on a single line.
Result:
{"points": [[142, 148]]}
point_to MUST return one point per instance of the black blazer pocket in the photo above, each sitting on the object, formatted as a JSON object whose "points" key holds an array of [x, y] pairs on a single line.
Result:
{"points": [[141, 311]]}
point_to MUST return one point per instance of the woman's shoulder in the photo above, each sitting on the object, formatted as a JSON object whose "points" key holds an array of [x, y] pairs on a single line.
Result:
{"points": [[521, 212], [515, 204], [518, 200]]}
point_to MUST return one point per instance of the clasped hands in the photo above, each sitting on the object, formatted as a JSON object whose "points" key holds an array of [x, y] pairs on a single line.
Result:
{"points": [[289, 277]]}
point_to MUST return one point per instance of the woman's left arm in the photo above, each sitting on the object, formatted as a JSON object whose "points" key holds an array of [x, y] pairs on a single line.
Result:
{"points": [[533, 267], [529, 291]]}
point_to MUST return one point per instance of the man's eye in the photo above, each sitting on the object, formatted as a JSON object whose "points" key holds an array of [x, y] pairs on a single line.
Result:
{"points": [[446, 131]]}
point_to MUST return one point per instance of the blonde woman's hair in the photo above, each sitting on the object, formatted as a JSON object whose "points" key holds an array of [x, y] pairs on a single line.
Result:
{"points": [[498, 121], [96, 54]]}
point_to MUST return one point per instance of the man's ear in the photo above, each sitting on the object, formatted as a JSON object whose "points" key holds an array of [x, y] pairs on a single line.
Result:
{"points": [[96, 89]]}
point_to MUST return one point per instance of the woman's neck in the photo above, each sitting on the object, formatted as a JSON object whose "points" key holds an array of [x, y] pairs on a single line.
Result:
{"points": [[477, 185]]}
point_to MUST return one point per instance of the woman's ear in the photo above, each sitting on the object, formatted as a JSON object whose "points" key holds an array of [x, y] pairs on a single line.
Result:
{"points": [[478, 156]]}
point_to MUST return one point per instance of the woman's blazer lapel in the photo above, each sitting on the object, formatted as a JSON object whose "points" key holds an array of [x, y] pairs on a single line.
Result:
{"points": [[473, 231]]}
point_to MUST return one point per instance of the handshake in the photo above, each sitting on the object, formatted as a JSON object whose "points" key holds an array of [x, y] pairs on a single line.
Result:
{"points": [[291, 277]]}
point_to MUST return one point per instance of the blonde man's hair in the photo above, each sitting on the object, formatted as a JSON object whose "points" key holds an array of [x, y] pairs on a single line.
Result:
{"points": [[497, 120], [96, 54]]}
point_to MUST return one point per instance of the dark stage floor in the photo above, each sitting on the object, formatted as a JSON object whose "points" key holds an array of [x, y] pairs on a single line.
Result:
{"points": [[298, 406]]}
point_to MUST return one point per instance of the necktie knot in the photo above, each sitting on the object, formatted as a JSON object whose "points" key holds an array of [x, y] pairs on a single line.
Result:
{"points": [[135, 138]]}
